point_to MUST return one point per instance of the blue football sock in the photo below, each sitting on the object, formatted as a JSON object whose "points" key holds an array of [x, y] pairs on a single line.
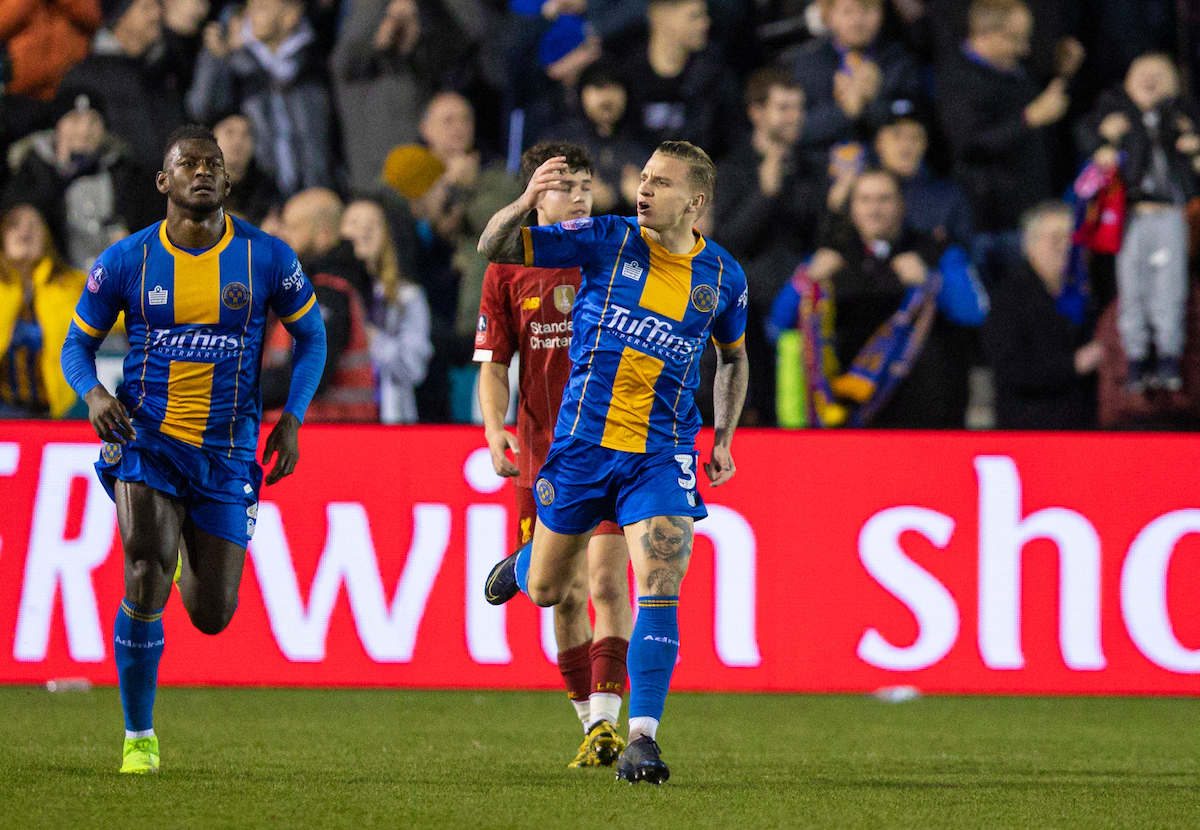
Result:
{"points": [[138, 646], [653, 648], [523, 557]]}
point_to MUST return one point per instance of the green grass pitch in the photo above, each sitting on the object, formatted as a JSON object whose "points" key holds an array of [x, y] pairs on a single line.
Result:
{"points": [[249, 758]]}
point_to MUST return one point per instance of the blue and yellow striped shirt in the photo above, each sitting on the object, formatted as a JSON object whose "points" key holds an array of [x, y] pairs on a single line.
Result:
{"points": [[195, 325], [641, 319]]}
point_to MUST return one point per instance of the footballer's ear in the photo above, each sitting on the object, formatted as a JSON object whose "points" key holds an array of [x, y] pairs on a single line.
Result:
{"points": [[697, 204], [162, 182]]}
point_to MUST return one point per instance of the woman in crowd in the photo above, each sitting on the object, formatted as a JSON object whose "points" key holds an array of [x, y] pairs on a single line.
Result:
{"points": [[38, 292], [399, 329]]}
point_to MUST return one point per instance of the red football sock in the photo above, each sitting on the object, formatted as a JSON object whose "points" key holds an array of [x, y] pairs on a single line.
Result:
{"points": [[608, 665], [575, 664]]}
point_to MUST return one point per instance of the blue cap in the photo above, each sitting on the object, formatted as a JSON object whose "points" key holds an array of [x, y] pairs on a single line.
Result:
{"points": [[567, 33]]}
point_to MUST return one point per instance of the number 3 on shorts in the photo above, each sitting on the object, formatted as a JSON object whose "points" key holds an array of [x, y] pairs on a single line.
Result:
{"points": [[685, 463]]}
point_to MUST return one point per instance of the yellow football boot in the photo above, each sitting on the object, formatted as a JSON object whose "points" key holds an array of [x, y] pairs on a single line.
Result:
{"points": [[600, 748], [141, 755]]}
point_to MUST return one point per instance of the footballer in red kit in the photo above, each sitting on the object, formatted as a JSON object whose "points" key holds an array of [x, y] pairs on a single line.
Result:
{"points": [[526, 311]]}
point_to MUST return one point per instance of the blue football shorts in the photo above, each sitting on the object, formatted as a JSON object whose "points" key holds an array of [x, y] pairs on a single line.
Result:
{"points": [[220, 494], [582, 484]]}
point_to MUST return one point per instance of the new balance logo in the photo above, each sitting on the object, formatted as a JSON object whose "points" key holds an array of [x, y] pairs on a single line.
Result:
{"points": [[158, 296], [632, 269]]}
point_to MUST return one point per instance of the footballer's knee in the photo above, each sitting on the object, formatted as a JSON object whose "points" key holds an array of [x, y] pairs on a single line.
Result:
{"points": [[212, 618], [545, 594], [609, 588]]}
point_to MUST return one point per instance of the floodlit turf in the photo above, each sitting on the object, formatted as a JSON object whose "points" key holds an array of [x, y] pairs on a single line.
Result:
{"points": [[360, 759]]}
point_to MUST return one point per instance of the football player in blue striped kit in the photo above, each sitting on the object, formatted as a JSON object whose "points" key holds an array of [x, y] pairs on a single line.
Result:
{"points": [[652, 292], [180, 438]]}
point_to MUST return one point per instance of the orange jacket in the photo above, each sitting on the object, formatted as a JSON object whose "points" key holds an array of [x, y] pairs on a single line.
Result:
{"points": [[45, 38]]}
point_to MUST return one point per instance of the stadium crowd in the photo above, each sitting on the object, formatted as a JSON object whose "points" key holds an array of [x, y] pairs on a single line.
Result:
{"points": [[950, 213]]}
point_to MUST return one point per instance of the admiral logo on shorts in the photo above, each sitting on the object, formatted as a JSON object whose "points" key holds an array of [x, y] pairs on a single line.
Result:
{"points": [[545, 492]]}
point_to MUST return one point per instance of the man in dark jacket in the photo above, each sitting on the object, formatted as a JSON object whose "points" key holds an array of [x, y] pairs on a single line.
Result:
{"points": [[851, 76], [253, 194], [129, 71], [766, 213], [680, 89], [270, 71], [1042, 359], [931, 205], [81, 179], [996, 120], [871, 262]]}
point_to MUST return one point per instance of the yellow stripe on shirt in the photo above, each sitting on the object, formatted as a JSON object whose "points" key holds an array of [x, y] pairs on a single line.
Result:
{"points": [[189, 400], [89, 330], [291, 318], [527, 244], [669, 283], [197, 279], [628, 422]]}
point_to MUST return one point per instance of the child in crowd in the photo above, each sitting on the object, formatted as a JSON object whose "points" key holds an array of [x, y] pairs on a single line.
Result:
{"points": [[1146, 128]]}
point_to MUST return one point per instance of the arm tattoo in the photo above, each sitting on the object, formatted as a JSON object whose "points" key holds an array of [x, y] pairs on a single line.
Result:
{"points": [[501, 240], [729, 391]]}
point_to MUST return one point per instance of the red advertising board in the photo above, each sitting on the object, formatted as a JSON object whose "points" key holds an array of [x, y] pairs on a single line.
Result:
{"points": [[832, 562]]}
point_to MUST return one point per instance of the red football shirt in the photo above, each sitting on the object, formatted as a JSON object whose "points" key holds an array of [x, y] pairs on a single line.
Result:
{"points": [[527, 311]]}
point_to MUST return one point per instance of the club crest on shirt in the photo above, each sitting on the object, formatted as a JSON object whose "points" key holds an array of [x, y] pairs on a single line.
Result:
{"points": [[111, 453], [235, 296], [704, 298], [577, 224], [545, 492], [96, 278], [564, 298], [481, 330]]}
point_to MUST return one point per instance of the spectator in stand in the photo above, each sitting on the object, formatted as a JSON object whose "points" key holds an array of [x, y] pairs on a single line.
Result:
{"points": [[682, 89], [267, 67], [474, 192], [1043, 362], [872, 273], [43, 39], [851, 76], [398, 326], [253, 194], [81, 179], [183, 23], [391, 56], [545, 59], [312, 226], [996, 121], [38, 292], [129, 73], [418, 176], [767, 208], [603, 128], [1147, 129], [931, 205]]}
